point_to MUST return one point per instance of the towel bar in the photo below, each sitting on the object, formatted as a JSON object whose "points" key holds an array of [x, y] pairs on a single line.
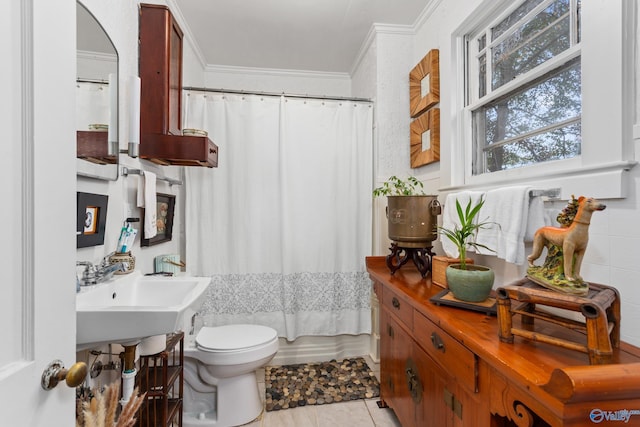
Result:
{"points": [[551, 193], [126, 171]]}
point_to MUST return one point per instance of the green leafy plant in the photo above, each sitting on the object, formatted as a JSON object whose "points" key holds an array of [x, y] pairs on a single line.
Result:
{"points": [[395, 186], [463, 235]]}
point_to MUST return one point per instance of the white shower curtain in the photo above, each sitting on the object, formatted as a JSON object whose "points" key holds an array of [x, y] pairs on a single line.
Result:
{"points": [[284, 223]]}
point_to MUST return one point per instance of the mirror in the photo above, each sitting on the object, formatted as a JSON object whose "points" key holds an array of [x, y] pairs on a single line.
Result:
{"points": [[96, 99]]}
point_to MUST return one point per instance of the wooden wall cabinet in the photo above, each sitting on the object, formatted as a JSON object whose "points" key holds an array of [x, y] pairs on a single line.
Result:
{"points": [[160, 67], [94, 147], [446, 366]]}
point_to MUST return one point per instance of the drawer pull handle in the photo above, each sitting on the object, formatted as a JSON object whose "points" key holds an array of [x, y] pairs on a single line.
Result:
{"points": [[395, 303], [437, 342]]}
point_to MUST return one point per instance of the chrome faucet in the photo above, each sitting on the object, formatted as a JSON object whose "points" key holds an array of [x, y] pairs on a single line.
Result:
{"points": [[93, 274], [105, 273], [89, 276]]}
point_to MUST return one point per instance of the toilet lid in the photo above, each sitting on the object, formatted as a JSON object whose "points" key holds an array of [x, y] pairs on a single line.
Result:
{"points": [[234, 337]]}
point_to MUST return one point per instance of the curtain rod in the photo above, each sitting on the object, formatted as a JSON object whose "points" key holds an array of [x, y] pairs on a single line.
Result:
{"points": [[288, 95]]}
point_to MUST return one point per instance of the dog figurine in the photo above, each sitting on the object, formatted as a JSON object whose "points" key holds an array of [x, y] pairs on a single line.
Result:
{"points": [[572, 239]]}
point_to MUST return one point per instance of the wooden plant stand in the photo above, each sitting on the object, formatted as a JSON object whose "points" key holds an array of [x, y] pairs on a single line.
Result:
{"points": [[600, 308], [400, 255]]}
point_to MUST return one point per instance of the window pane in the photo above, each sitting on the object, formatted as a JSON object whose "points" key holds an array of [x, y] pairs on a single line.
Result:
{"points": [[540, 118], [579, 19], [482, 42], [533, 43], [514, 17], [482, 76], [556, 144]]}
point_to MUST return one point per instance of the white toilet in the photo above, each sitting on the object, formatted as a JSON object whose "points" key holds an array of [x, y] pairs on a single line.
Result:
{"points": [[220, 385]]}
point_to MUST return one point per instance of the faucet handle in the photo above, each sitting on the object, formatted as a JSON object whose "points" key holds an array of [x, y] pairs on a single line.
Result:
{"points": [[89, 273], [88, 266], [105, 260]]}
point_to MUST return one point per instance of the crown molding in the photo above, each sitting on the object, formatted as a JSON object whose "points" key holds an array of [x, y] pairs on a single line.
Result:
{"points": [[276, 72], [178, 16], [374, 31]]}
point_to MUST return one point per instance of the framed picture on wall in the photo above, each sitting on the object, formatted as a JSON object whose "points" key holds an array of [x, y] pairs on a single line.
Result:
{"points": [[425, 138], [165, 207], [91, 219], [424, 83]]}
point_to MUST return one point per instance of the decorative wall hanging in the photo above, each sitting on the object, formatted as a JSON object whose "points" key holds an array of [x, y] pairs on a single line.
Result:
{"points": [[165, 206], [424, 83], [425, 138], [91, 219]]}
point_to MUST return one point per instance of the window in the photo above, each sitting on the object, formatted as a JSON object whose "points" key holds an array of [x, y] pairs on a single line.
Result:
{"points": [[583, 144], [523, 89]]}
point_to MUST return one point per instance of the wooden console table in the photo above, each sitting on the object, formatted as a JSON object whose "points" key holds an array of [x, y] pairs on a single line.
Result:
{"points": [[446, 366]]}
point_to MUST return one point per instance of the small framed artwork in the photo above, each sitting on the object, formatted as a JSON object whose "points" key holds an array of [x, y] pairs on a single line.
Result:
{"points": [[425, 138], [91, 219], [424, 83], [90, 223], [165, 207]]}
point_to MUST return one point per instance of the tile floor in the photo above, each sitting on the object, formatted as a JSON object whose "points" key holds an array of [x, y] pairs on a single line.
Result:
{"points": [[356, 413]]}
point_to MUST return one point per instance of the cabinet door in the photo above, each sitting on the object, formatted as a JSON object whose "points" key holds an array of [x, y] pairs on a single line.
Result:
{"points": [[175, 79], [431, 409], [386, 342], [395, 350], [444, 402], [465, 408], [160, 66]]}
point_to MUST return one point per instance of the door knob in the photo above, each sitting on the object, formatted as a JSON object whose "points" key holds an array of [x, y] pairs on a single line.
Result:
{"points": [[56, 372]]}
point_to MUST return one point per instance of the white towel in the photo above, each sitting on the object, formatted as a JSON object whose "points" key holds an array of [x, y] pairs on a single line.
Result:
{"points": [[509, 208], [536, 218], [147, 200], [551, 217], [450, 216]]}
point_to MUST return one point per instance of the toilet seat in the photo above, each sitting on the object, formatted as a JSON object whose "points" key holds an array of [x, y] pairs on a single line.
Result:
{"points": [[233, 338], [233, 344]]}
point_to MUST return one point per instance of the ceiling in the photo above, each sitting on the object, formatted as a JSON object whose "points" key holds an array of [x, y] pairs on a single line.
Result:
{"points": [[308, 35]]}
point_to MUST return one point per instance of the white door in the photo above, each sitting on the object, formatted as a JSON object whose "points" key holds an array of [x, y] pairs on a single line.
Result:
{"points": [[37, 214]]}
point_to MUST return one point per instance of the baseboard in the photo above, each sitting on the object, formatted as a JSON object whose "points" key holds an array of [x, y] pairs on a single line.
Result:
{"points": [[321, 349], [374, 348]]}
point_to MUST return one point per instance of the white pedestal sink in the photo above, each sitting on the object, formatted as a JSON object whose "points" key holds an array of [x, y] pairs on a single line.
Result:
{"points": [[127, 309]]}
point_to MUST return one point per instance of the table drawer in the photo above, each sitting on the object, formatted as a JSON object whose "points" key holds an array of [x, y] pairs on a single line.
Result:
{"points": [[399, 305], [455, 358]]}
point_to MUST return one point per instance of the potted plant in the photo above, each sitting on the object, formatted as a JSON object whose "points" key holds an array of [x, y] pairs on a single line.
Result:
{"points": [[411, 214], [468, 282]]}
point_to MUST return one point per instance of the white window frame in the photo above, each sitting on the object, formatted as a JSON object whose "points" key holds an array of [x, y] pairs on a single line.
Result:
{"points": [[607, 62]]}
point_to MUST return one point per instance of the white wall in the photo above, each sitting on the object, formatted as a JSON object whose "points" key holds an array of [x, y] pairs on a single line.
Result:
{"points": [[614, 242], [277, 81], [121, 23]]}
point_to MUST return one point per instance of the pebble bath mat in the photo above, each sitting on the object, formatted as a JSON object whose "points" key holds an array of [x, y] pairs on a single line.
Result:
{"points": [[290, 386]]}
